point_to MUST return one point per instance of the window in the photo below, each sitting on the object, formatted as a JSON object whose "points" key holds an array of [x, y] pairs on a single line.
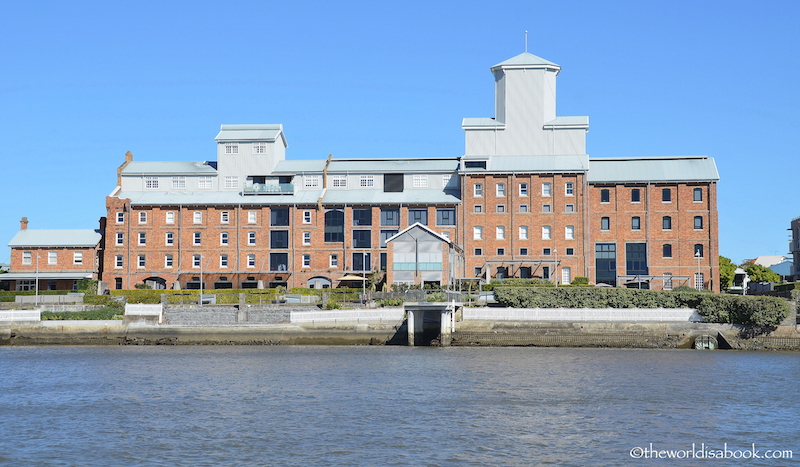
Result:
{"points": [[605, 223], [417, 215], [390, 216], [196, 238], [699, 281], [501, 252], [142, 238], [362, 238], [204, 183], [251, 260], [27, 257], [545, 232], [569, 189], [570, 251], [168, 261], [698, 222], [251, 217], [393, 183], [196, 261], [362, 261], [667, 281], [666, 195], [151, 183], [477, 271], [120, 217], [118, 261], [197, 217], [178, 183], [477, 189], [477, 233], [169, 238], [523, 208], [420, 181], [223, 238], [666, 250], [445, 217], [333, 261], [569, 208], [698, 250], [306, 261], [231, 181], [306, 217], [546, 189], [478, 251], [312, 181], [279, 239], [120, 238], [52, 257], [666, 223], [142, 217], [223, 261], [367, 181], [170, 217], [306, 238], [478, 208], [523, 232], [251, 238], [605, 195], [385, 235], [77, 257], [334, 226], [362, 216], [500, 232], [523, 252], [636, 195], [523, 189], [500, 189], [339, 181], [697, 194], [260, 147], [279, 216], [446, 180], [566, 275], [547, 251], [636, 223], [569, 232], [500, 208], [141, 261], [224, 217], [606, 263], [636, 259], [231, 148], [547, 208]]}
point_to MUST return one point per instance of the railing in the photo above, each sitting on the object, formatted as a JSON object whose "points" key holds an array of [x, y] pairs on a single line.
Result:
{"points": [[269, 189]]}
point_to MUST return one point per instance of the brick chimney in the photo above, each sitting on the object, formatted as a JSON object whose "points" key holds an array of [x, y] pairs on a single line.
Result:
{"points": [[23, 223]]}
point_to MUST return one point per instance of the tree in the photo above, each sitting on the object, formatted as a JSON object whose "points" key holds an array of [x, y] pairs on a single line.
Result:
{"points": [[759, 273], [726, 272]]}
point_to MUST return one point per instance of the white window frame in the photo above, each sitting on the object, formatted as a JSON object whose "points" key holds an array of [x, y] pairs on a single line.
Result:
{"points": [[523, 232], [306, 260], [231, 148], [52, 257], [119, 262], [120, 238], [197, 217], [143, 217], [224, 238], [223, 261], [500, 232], [252, 217], [523, 189], [367, 181], [306, 217], [142, 236], [566, 275], [546, 189], [477, 190], [500, 189], [77, 258], [251, 238], [546, 232], [569, 232], [339, 181], [196, 261], [205, 183], [27, 257], [333, 261], [231, 181], [169, 238], [170, 217], [420, 181], [120, 217], [446, 180], [306, 237], [225, 217], [312, 181], [197, 238], [251, 260], [259, 147], [169, 261], [569, 189], [141, 261], [178, 183], [150, 183], [477, 233]]}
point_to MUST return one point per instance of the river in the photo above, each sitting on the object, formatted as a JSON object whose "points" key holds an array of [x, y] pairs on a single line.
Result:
{"points": [[398, 406]]}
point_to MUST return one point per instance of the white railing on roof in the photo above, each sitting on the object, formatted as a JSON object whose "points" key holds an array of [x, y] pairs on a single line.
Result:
{"points": [[269, 189]]}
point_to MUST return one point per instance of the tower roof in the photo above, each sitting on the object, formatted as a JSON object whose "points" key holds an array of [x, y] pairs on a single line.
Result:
{"points": [[526, 60]]}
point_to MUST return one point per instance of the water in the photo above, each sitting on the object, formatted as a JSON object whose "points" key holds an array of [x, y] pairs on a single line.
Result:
{"points": [[348, 406]]}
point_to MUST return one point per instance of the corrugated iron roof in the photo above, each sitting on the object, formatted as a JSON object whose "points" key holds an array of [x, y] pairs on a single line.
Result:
{"points": [[393, 165], [652, 169], [253, 132], [526, 59], [296, 167], [408, 196], [168, 168], [55, 238], [535, 164], [218, 198]]}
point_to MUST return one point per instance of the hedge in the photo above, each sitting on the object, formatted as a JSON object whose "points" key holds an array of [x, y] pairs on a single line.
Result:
{"points": [[714, 308]]}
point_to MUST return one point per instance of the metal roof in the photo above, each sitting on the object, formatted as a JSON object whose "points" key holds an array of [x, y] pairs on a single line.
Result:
{"points": [[393, 165], [296, 167], [568, 122], [526, 60], [481, 122], [218, 198], [168, 168], [536, 164], [55, 238], [652, 169], [375, 197], [254, 132]]}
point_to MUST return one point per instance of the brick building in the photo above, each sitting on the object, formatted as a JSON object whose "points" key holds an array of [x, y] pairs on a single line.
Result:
{"points": [[55, 259], [524, 200]]}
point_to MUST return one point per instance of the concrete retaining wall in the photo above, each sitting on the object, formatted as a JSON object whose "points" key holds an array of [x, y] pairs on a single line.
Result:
{"points": [[20, 315], [582, 314], [390, 315]]}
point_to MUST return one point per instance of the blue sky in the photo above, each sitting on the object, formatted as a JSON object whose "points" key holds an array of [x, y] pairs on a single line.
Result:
{"points": [[84, 82]]}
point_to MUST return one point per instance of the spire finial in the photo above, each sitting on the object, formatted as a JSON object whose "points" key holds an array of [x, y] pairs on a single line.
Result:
{"points": [[526, 41]]}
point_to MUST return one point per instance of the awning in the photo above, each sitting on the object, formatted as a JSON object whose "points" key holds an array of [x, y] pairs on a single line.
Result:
{"points": [[351, 277]]}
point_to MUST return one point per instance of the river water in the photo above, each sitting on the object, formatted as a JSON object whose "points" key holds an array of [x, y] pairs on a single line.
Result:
{"points": [[397, 406]]}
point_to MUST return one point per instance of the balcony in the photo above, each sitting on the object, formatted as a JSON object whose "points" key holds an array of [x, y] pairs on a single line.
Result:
{"points": [[269, 189]]}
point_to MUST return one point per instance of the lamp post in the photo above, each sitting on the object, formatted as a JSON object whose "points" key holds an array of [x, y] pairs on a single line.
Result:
{"points": [[36, 283], [201, 280], [697, 277]]}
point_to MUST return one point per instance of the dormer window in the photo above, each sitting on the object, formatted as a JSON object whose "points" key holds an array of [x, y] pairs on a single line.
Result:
{"points": [[231, 148], [260, 147]]}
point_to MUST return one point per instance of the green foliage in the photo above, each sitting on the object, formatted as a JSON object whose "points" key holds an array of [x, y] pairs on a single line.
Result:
{"points": [[726, 272], [87, 286], [714, 308], [435, 297], [101, 314], [580, 280], [759, 273], [390, 302], [332, 304]]}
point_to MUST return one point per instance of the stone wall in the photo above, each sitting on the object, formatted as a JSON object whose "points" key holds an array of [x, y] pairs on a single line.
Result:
{"points": [[217, 315]]}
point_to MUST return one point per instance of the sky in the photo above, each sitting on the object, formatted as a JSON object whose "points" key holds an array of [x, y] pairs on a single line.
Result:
{"points": [[84, 82]]}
